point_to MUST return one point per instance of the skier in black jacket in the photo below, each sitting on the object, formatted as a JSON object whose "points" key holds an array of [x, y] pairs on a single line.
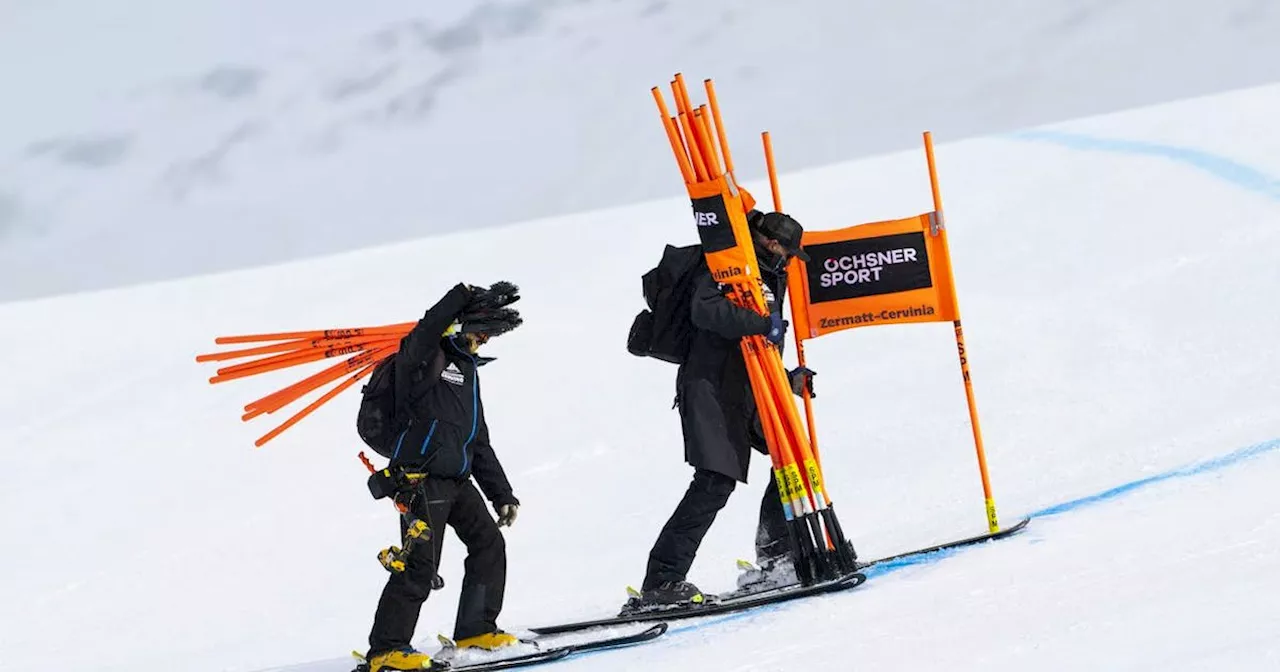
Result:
{"points": [[719, 418], [445, 444]]}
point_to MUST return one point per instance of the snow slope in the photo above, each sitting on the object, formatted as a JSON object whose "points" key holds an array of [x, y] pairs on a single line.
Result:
{"points": [[1118, 279], [146, 140]]}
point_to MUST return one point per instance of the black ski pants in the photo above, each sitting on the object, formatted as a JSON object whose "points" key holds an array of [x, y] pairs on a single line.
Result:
{"points": [[677, 544], [440, 502]]}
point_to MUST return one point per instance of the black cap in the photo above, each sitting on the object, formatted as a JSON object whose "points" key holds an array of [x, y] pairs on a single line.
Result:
{"points": [[784, 229]]}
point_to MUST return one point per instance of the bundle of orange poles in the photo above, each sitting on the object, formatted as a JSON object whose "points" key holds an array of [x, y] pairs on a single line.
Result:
{"points": [[698, 140], [367, 346]]}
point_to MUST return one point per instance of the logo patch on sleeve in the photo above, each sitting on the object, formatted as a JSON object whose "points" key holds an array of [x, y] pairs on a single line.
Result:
{"points": [[451, 374]]}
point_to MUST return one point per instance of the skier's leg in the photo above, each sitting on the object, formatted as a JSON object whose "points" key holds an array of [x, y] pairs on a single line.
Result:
{"points": [[673, 553], [485, 578], [396, 618], [773, 549], [771, 530]]}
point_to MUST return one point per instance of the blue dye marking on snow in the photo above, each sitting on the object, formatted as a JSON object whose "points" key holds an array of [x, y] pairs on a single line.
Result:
{"points": [[1215, 464], [1221, 167], [1198, 469]]}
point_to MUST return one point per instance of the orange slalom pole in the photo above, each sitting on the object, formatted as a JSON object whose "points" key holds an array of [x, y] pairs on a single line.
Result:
{"points": [[796, 489], [288, 346], [276, 403], [770, 436], [402, 328], [803, 484], [791, 487], [313, 406], [792, 421], [705, 144], [295, 344], [699, 168], [682, 112], [290, 359], [682, 94], [682, 159], [773, 176], [314, 347], [809, 477], [281, 398], [796, 330], [756, 352], [692, 130], [993, 524], [715, 113], [295, 358]]}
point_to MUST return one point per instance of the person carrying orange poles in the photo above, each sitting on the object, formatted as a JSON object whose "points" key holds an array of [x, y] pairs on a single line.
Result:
{"points": [[720, 420], [423, 409]]}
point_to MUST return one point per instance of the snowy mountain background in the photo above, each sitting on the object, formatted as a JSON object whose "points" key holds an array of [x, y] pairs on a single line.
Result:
{"points": [[149, 140], [1117, 275]]}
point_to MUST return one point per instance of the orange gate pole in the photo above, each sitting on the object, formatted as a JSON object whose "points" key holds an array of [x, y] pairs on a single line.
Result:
{"points": [[795, 332], [993, 523]]}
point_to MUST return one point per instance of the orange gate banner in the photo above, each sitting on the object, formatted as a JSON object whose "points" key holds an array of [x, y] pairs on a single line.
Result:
{"points": [[890, 272]]}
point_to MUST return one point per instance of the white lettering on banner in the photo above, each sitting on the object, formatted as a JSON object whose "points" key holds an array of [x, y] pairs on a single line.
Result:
{"points": [[887, 315], [706, 218], [857, 268]]}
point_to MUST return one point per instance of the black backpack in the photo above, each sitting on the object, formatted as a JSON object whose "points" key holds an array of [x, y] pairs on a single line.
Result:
{"points": [[377, 422], [664, 331]]}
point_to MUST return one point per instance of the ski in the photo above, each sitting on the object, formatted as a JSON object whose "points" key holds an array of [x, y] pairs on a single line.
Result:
{"points": [[535, 658], [968, 541], [650, 633], [866, 564], [715, 606], [547, 655]]}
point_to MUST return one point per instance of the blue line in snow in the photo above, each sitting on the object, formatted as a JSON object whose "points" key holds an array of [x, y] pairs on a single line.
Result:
{"points": [[1214, 464], [1197, 469], [1217, 165]]}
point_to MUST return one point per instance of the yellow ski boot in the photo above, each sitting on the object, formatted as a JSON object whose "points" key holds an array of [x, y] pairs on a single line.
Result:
{"points": [[401, 659], [489, 641]]}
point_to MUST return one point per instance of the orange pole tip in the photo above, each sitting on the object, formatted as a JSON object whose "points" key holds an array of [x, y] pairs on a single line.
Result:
{"points": [[699, 167], [715, 114]]}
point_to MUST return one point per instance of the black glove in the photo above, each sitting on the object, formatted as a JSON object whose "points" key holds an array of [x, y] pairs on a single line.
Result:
{"points": [[491, 321], [499, 294], [801, 378], [777, 329], [486, 311]]}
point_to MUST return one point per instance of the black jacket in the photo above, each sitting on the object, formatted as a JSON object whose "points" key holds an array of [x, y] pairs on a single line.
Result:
{"points": [[448, 436], [717, 409]]}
